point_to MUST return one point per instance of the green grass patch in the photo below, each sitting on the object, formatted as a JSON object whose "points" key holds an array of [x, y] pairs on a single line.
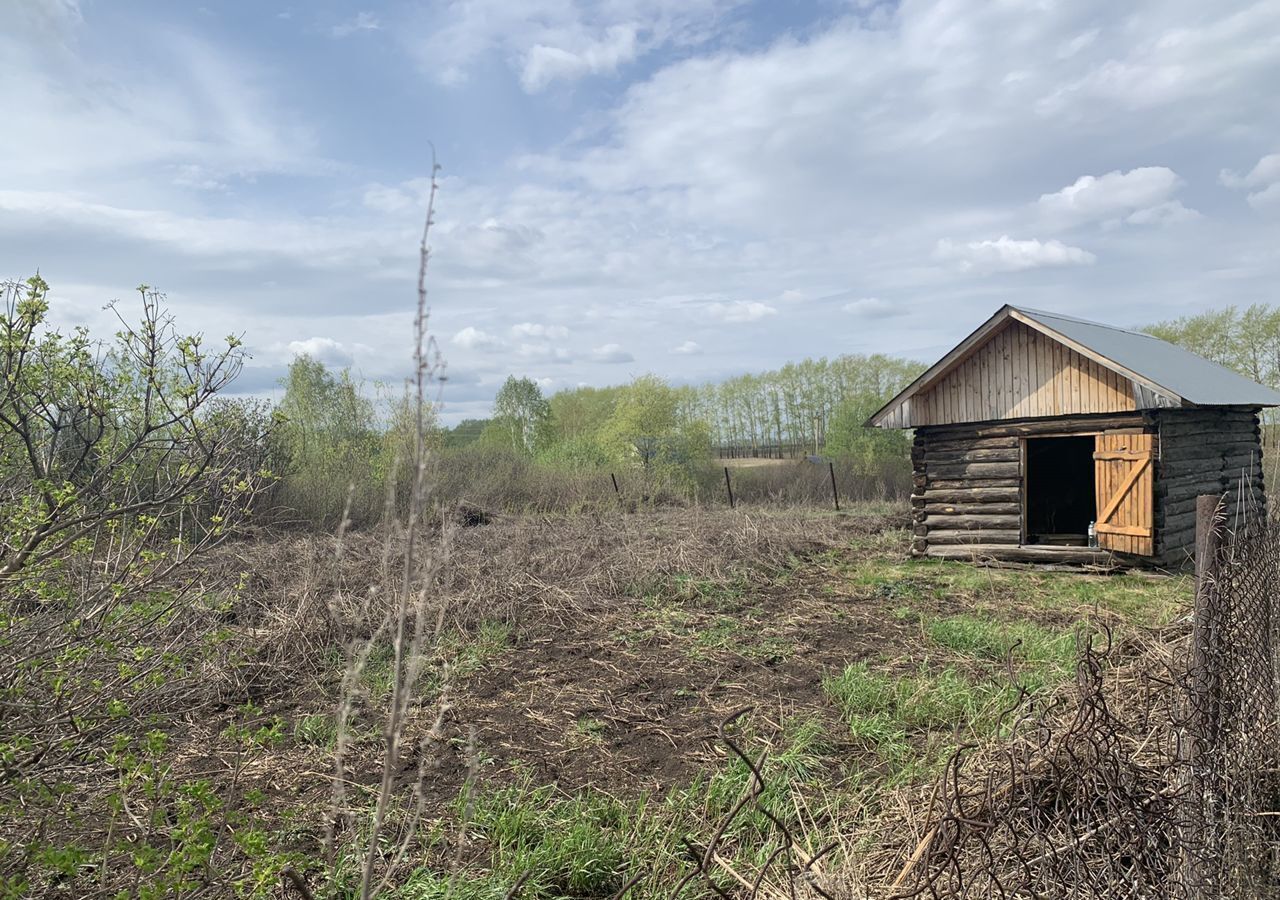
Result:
{"points": [[588, 730], [992, 640], [721, 634], [465, 652], [318, 730], [725, 596], [909, 721], [582, 846], [769, 649], [1137, 599], [588, 845]]}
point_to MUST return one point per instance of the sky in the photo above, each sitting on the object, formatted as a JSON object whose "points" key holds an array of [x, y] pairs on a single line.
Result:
{"points": [[694, 188]]}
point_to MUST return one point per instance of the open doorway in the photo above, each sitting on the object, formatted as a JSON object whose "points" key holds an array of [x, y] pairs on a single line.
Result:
{"points": [[1059, 490]]}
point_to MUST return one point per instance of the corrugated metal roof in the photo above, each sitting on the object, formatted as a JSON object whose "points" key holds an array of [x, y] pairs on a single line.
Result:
{"points": [[1178, 371]]}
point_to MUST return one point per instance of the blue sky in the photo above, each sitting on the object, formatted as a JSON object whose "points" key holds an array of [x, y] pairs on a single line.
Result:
{"points": [[696, 188]]}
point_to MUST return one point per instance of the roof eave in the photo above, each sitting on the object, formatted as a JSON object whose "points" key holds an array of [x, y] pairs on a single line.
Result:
{"points": [[942, 366]]}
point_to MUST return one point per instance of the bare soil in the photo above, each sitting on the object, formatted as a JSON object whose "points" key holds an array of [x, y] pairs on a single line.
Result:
{"points": [[630, 638]]}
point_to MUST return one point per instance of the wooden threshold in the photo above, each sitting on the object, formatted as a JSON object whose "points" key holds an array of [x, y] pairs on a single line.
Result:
{"points": [[1010, 553]]}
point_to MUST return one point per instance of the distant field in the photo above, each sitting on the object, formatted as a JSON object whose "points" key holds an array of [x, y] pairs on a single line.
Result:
{"points": [[751, 462]]}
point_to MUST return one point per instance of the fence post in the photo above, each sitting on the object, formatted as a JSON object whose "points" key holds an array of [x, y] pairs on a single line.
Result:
{"points": [[1203, 688], [614, 479], [835, 494], [728, 486]]}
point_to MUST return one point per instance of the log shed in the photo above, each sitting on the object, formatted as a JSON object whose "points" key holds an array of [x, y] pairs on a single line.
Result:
{"points": [[1038, 428]]}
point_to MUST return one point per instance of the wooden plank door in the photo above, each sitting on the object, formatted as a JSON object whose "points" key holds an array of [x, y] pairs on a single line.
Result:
{"points": [[1124, 474]]}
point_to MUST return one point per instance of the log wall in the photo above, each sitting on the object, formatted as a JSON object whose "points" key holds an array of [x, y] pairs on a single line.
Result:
{"points": [[1212, 450], [967, 479]]}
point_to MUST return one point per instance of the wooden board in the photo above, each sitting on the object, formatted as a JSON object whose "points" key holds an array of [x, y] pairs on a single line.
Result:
{"points": [[1124, 476], [1020, 373], [985, 553]]}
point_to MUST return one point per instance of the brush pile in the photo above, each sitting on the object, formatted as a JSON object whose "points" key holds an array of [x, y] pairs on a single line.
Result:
{"points": [[1110, 788]]}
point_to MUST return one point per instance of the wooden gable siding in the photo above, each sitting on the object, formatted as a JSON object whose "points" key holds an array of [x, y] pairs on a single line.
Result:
{"points": [[1020, 373]]}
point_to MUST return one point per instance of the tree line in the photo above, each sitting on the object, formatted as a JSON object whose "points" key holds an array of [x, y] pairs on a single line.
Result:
{"points": [[802, 407], [339, 432]]}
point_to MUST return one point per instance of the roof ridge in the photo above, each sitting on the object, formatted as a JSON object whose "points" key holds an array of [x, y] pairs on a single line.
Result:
{"points": [[1077, 319]]}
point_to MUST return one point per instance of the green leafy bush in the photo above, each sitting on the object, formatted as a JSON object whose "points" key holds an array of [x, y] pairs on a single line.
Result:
{"points": [[119, 462]]}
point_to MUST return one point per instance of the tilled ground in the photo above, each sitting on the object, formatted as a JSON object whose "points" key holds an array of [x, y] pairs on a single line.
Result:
{"points": [[629, 697], [628, 638]]}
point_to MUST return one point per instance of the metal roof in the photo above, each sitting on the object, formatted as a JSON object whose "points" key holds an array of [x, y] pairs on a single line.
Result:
{"points": [[1163, 374], [1179, 372]]}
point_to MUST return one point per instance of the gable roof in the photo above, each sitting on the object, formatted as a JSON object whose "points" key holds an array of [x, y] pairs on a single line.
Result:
{"points": [[1171, 375]]}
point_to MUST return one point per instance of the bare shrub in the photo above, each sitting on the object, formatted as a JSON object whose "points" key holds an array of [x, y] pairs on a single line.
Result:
{"points": [[804, 483]]}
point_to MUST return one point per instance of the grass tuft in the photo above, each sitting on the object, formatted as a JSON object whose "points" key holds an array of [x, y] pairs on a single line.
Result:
{"points": [[992, 640], [902, 718]]}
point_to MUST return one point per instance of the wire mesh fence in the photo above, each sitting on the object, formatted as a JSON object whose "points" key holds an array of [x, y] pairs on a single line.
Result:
{"points": [[1230, 748]]}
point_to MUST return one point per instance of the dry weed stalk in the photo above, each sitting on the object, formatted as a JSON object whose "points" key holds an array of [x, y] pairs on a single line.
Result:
{"points": [[413, 620]]}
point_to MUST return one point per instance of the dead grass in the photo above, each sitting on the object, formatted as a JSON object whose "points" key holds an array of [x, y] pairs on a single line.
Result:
{"points": [[595, 654], [1054, 750]]}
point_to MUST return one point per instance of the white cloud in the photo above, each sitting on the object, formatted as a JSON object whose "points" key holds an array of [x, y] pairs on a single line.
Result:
{"points": [[1171, 212], [1268, 196], [1263, 179], [362, 21], [385, 199], [492, 247], [873, 308], [544, 64], [1073, 46], [472, 338], [1008, 255], [537, 330], [198, 178], [544, 352], [326, 350], [740, 311], [56, 19], [322, 243], [1168, 55], [611, 353], [547, 41], [108, 129], [1115, 195], [1266, 171], [687, 348], [761, 164]]}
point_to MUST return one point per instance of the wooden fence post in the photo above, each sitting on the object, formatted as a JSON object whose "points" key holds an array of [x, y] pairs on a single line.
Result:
{"points": [[1203, 687], [728, 486], [835, 494]]}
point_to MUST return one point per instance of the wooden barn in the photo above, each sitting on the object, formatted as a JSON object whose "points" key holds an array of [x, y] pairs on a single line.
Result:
{"points": [[1039, 426]]}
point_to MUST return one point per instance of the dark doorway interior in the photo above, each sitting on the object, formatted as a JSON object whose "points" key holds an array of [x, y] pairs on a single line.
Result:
{"points": [[1059, 490]]}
